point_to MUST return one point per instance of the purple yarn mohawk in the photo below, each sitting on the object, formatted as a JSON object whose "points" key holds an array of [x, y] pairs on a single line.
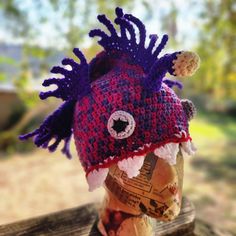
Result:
{"points": [[154, 67], [71, 88], [76, 82], [56, 126]]}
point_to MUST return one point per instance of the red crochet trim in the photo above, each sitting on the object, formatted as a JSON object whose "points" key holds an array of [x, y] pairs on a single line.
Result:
{"points": [[138, 153]]}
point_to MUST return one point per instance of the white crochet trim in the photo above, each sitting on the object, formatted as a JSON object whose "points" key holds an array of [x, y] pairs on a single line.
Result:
{"points": [[168, 152], [181, 134], [188, 148], [132, 165], [124, 116], [96, 178]]}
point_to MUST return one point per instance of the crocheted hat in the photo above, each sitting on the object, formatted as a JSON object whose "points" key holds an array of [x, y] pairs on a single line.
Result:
{"points": [[119, 106]]}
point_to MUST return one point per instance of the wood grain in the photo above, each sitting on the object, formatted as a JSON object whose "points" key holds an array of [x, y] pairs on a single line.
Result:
{"points": [[82, 221]]}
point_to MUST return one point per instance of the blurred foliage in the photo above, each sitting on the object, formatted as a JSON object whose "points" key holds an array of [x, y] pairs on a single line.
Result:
{"points": [[18, 23], [4, 60], [15, 18], [217, 49], [7, 60], [216, 37], [213, 86]]}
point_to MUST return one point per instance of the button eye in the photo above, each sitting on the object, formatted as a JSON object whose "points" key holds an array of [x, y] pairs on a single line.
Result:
{"points": [[121, 124]]}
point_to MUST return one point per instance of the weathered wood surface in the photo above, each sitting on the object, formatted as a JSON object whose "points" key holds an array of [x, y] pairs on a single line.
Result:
{"points": [[204, 229], [81, 221]]}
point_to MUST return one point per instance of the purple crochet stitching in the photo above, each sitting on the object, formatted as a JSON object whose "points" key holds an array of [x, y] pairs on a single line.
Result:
{"points": [[143, 56], [75, 83], [146, 57]]}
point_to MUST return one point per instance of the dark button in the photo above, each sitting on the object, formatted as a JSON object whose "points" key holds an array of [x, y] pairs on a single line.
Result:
{"points": [[119, 125]]}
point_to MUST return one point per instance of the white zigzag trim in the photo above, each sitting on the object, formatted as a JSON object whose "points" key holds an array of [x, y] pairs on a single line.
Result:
{"points": [[168, 152], [96, 178], [132, 165]]}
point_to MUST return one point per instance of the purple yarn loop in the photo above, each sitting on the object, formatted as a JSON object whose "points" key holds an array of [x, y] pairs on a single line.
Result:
{"points": [[75, 83], [172, 83]]}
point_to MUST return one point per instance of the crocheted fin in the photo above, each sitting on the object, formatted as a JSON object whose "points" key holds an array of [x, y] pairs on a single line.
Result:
{"points": [[58, 126], [75, 83], [189, 108]]}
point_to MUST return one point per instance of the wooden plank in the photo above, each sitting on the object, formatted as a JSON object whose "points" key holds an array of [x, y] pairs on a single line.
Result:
{"points": [[76, 221], [183, 225], [205, 229], [82, 221]]}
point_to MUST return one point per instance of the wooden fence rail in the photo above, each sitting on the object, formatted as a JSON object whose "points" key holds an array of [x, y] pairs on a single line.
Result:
{"points": [[82, 221]]}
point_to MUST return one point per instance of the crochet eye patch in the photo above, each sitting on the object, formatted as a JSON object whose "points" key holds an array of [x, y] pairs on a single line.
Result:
{"points": [[121, 125]]}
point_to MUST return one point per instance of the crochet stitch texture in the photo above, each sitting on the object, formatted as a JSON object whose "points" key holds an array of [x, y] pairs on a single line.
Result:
{"points": [[159, 115], [120, 106]]}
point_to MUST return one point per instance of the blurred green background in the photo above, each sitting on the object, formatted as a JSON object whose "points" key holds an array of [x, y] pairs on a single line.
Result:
{"points": [[34, 35]]}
